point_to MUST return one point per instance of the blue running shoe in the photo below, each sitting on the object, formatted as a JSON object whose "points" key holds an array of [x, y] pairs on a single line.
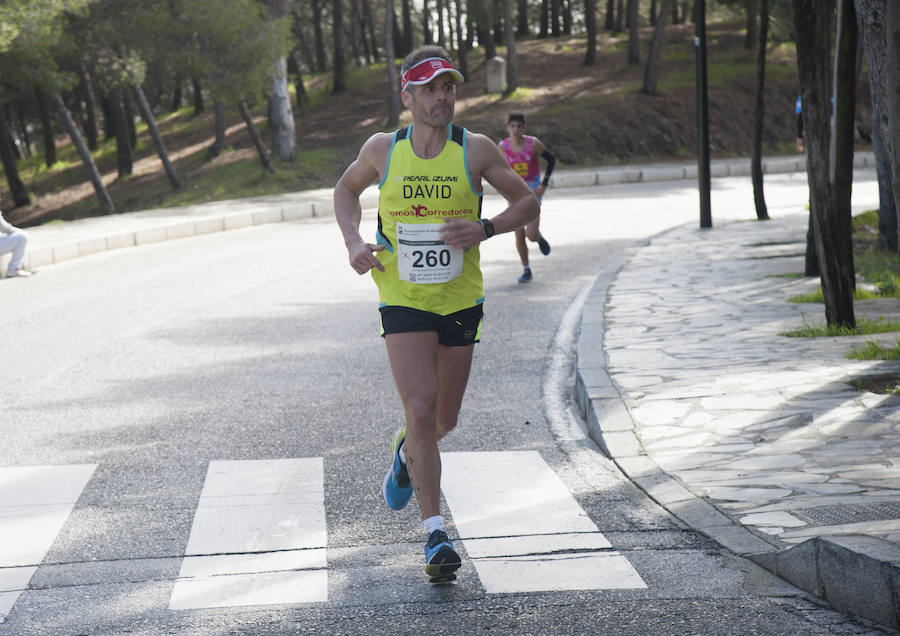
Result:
{"points": [[525, 277], [441, 560], [397, 486], [544, 246]]}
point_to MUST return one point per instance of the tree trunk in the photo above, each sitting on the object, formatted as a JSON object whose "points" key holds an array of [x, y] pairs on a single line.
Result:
{"points": [[130, 126], [653, 12], [620, 16], [892, 92], [319, 40], [497, 22], [426, 23], [102, 195], [399, 41], [483, 26], [651, 70], [522, 20], [370, 25], [357, 34], [610, 21], [512, 69], [759, 199], [297, 29], [750, 7], [887, 210], [124, 158], [154, 133], [90, 115], [213, 151], [554, 18], [812, 35], [109, 120], [634, 53], [810, 260], [871, 18], [176, 92], [544, 22], [281, 116], [441, 36], [46, 127], [590, 21], [463, 50], [337, 23], [256, 137], [843, 129], [199, 107], [393, 81], [407, 30], [299, 87], [10, 168], [22, 128]]}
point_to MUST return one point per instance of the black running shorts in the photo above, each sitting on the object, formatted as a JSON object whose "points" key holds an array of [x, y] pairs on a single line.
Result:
{"points": [[458, 329]]}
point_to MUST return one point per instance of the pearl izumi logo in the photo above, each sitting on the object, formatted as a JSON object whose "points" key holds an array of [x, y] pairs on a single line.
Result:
{"points": [[427, 187]]}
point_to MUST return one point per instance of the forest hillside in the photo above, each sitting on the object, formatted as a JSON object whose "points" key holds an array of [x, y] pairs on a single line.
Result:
{"points": [[587, 115]]}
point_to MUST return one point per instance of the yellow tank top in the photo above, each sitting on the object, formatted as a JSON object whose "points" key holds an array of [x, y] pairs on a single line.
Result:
{"points": [[416, 195]]}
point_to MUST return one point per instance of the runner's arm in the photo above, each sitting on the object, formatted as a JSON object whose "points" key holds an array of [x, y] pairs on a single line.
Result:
{"points": [[488, 163], [549, 157], [347, 210], [551, 162]]}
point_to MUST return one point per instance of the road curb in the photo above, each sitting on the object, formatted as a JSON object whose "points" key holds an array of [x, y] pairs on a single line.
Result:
{"points": [[154, 226], [855, 574]]}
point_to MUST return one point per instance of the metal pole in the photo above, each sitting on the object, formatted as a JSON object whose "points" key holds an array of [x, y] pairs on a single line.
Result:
{"points": [[702, 115]]}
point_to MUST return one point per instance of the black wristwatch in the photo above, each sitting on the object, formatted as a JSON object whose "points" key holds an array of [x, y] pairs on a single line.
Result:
{"points": [[488, 228]]}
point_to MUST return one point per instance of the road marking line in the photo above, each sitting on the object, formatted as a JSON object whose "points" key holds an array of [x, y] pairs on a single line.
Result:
{"points": [[35, 502], [524, 530], [258, 538]]}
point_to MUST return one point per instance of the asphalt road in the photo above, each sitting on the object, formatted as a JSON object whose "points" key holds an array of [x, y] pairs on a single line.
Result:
{"points": [[150, 366]]}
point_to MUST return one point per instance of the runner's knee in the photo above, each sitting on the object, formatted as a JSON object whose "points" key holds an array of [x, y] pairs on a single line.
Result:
{"points": [[421, 411]]}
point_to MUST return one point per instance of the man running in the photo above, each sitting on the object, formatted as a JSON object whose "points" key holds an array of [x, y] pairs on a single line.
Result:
{"points": [[522, 153], [425, 262]]}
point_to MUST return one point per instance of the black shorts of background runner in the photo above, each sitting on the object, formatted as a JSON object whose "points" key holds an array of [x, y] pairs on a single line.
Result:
{"points": [[458, 329]]}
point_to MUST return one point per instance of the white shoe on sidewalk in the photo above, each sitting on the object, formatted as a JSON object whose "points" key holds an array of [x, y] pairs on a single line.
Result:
{"points": [[19, 273]]}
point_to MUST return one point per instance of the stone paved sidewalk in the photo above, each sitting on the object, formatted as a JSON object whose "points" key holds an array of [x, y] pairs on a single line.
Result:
{"points": [[755, 438]]}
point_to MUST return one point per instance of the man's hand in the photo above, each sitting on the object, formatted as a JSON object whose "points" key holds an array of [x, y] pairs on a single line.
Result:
{"points": [[362, 257], [462, 233]]}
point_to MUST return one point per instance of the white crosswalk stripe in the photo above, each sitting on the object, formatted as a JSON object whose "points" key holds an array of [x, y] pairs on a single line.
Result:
{"points": [[259, 534], [35, 502], [258, 537], [523, 529]]}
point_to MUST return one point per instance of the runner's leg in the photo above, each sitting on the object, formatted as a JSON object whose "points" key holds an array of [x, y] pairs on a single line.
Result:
{"points": [[454, 364], [532, 230], [414, 364], [521, 246]]}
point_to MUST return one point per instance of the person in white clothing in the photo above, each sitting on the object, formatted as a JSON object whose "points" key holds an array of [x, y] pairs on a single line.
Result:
{"points": [[14, 240]]}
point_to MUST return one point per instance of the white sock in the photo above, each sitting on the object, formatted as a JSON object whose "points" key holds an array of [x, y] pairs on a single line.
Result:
{"points": [[402, 452], [433, 523]]}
